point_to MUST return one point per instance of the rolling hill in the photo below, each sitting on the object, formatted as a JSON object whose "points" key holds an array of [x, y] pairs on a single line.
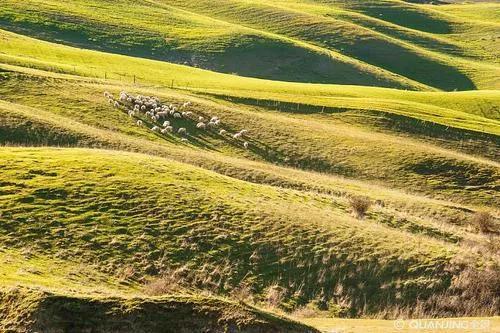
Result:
{"points": [[341, 102]]}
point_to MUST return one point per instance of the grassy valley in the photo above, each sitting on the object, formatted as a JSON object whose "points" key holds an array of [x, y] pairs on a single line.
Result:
{"points": [[363, 181]]}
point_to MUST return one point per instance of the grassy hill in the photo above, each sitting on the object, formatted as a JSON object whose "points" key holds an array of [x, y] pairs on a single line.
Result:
{"points": [[376, 43], [99, 214]]}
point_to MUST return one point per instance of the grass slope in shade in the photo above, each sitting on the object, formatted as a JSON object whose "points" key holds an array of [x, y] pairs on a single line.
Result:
{"points": [[49, 312]]}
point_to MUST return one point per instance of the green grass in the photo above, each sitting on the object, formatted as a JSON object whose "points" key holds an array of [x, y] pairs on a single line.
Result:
{"points": [[161, 214], [351, 143], [181, 313], [388, 44], [154, 214], [92, 207]]}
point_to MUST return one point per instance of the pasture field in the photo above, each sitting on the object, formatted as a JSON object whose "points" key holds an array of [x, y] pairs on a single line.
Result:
{"points": [[115, 225]]}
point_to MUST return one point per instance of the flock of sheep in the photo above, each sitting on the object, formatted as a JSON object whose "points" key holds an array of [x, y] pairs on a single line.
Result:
{"points": [[163, 116]]}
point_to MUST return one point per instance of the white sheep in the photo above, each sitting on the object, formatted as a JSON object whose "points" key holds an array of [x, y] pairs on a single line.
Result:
{"points": [[201, 126], [129, 99], [139, 122], [169, 129], [245, 144], [201, 119], [184, 140], [189, 114], [155, 129], [214, 119], [131, 113], [237, 136], [117, 105], [222, 132], [182, 130], [177, 115], [211, 124], [243, 132], [166, 123]]}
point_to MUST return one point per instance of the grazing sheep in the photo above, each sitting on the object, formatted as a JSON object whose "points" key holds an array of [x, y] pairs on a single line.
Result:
{"points": [[117, 105], [171, 112], [131, 113], [169, 129], [237, 136], [185, 105], [129, 100], [177, 115], [201, 119], [243, 132], [222, 132], [155, 129], [189, 114], [139, 122], [182, 130], [107, 94], [166, 123], [163, 130], [184, 140], [245, 144], [201, 126], [214, 119], [211, 124]]}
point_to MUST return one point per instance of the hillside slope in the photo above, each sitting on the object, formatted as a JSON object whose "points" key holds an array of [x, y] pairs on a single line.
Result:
{"points": [[138, 189], [155, 215], [377, 43], [49, 312]]}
